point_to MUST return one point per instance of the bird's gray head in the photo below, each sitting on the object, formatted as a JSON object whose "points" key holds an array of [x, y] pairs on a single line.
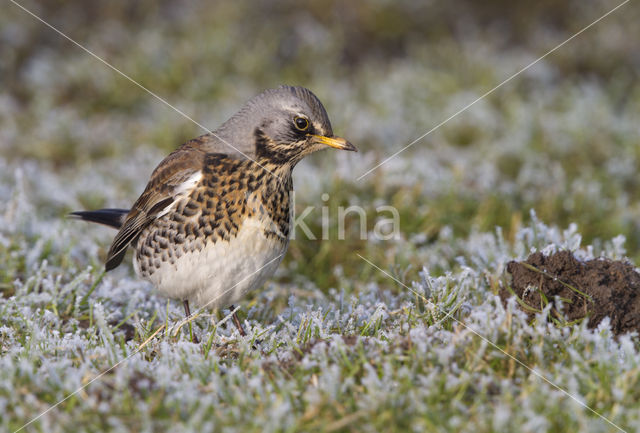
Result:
{"points": [[283, 125]]}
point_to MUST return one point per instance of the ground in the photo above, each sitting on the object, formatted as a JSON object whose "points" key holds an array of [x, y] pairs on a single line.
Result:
{"points": [[595, 289], [354, 332]]}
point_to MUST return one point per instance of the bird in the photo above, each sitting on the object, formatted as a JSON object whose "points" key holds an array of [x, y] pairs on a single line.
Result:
{"points": [[214, 220]]}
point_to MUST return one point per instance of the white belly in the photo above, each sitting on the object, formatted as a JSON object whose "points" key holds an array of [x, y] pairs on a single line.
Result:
{"points": [[222, 272]]}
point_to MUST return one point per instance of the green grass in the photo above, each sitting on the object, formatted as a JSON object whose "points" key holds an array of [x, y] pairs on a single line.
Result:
{"points": [[334, 344]]}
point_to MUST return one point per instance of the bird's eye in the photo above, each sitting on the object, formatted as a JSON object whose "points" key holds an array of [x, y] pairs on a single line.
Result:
{"points": [[301, 123]]}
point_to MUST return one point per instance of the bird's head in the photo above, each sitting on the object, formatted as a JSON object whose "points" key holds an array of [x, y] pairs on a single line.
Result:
{"points": [[287, 124]]}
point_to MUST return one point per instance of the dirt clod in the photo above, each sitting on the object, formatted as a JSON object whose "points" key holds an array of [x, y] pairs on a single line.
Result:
{"points": [[595, 288]]}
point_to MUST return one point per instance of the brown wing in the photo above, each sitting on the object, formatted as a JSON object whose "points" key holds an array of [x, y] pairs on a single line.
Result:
{"points": [[167, 184]]}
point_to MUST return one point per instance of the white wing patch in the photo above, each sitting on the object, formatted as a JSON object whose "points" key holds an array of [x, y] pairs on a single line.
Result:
{"points": [[187, 186], [182, 190]]}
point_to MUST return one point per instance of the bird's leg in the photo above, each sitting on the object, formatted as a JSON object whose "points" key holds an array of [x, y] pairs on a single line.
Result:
{"points": [[187, 313], [236, 321]]}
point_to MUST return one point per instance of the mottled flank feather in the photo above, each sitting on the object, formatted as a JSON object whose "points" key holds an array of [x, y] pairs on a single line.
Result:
{"points": [[162, 191]]}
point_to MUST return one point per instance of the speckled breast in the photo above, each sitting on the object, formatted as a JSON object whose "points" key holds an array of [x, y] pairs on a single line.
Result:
{"points": [[223, 240]]}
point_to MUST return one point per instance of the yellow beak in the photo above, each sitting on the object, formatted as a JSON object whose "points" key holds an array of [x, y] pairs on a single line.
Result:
{"points": [[336, 142]]}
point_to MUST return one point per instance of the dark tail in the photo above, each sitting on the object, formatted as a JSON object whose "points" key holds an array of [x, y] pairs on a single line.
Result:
{"points": [[109, 217]]}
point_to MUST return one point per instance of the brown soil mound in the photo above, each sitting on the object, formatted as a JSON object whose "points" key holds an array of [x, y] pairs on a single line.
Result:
{"points": [[596, 288]]}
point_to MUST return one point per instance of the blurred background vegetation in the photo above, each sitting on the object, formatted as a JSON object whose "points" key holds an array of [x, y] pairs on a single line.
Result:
{"points": [[561, 139]]}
